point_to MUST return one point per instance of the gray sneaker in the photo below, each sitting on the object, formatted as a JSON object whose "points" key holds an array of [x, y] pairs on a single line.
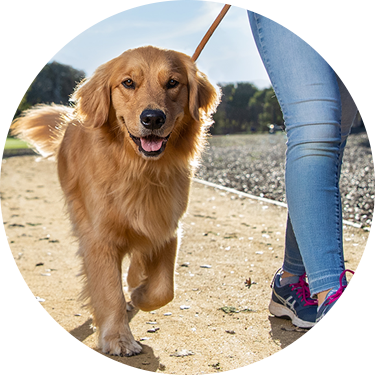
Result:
{"points": [[293, 301]]}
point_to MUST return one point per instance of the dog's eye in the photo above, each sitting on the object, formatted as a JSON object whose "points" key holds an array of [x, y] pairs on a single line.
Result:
{"points": [[172, 83], [128, 84]]}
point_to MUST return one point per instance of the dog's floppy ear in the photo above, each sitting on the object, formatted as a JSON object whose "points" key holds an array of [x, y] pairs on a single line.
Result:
{"points": [[92, 97], [203, 96]]}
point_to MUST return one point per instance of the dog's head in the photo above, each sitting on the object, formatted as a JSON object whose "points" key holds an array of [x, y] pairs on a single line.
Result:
{"points": [[151, 93]]}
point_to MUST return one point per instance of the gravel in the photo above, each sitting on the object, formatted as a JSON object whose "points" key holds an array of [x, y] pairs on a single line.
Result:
{"points": [[255, 164]]}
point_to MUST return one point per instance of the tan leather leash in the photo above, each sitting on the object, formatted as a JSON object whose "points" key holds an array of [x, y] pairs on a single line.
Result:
{"points": [[210, 32]]}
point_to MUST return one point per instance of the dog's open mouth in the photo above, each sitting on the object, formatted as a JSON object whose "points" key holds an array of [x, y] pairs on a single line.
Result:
{"points": [[151, 145]]}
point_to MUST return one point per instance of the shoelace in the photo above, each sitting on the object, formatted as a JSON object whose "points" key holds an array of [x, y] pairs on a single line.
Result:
{"points": [[334, 297], [303, 291]]}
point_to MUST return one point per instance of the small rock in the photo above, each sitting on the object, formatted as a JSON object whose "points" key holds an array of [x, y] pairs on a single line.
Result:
{"points": [[205, 266], [153, 330], [186, 264], [167, 314], [39, 299], [144, 339], [39, 264], [45, 274], [182, 353], [184, 307], [162, 367], [151, 323], [231, 332]]}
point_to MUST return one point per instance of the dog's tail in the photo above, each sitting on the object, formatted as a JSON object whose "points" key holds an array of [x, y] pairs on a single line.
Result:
{"points": [[43, 127]]}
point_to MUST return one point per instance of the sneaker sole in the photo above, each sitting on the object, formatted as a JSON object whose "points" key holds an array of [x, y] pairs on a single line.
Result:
{"points": [[340, 335], [281, 311]]}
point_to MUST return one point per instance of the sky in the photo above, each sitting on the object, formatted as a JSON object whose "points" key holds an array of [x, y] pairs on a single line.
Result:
{"points": [[229, 56]]}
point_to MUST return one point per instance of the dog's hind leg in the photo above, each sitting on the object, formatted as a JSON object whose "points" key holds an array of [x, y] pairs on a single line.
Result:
{"points": [[157, 289], [102, 268]]}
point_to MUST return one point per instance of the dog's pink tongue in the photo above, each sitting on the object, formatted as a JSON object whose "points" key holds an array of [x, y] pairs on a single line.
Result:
{"points": [[151, 144]]}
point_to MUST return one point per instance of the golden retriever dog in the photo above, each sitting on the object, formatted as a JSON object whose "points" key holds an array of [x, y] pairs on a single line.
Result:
{"points": [[125, 154]]}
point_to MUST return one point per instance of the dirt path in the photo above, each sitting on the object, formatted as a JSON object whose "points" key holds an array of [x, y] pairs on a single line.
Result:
{"points": [[215, 322]]}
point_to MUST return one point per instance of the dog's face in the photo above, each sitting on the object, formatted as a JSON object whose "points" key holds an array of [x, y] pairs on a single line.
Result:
{"points": [[151, 92]]}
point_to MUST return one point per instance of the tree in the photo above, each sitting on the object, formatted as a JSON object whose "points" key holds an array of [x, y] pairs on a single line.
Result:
{"points": [[16, 73], [266, 109], [245, 108], [233, 113], [53, 83]]}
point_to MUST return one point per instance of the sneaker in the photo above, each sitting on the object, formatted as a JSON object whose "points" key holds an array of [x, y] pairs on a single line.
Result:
{"points": [[345, 318], [293, 302]]}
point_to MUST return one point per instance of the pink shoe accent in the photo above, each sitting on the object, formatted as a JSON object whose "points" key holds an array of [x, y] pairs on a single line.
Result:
{"points": [[303, 291], [334, 297]]}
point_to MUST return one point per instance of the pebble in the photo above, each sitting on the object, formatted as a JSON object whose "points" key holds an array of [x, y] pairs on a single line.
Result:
{"points": [[153, 330], [184, 307], [206, 266], [39, 299], [167, 314], [182, 353]]}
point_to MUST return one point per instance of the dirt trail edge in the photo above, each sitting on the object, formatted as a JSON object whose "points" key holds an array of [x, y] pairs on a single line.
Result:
{"points": [[215, 323]]}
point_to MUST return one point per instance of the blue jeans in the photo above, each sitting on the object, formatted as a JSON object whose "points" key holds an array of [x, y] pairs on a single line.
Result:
{"points": [[318, 113]]}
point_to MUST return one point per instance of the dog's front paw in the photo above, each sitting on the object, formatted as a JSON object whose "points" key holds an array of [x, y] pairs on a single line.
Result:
{"points": [[121, 345], [118, 339]]}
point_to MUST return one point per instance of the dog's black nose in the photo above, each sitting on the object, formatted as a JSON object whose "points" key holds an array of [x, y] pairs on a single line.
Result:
{"points": [[152, 119]]}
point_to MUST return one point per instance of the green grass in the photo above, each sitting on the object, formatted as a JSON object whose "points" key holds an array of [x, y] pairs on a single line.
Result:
{"points": [[12, 143]]}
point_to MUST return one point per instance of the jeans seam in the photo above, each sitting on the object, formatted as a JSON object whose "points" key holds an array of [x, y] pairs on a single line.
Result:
{"points": [[266, 61]]}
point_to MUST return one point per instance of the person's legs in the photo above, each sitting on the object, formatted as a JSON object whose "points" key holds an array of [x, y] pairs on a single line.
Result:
{"points": [[292, 38], [310, 96], [295, 39]]}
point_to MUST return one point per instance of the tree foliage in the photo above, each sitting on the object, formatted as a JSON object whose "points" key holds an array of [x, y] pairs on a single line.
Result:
{"points": [[53, 83], [16, 73], [244, 109]]}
